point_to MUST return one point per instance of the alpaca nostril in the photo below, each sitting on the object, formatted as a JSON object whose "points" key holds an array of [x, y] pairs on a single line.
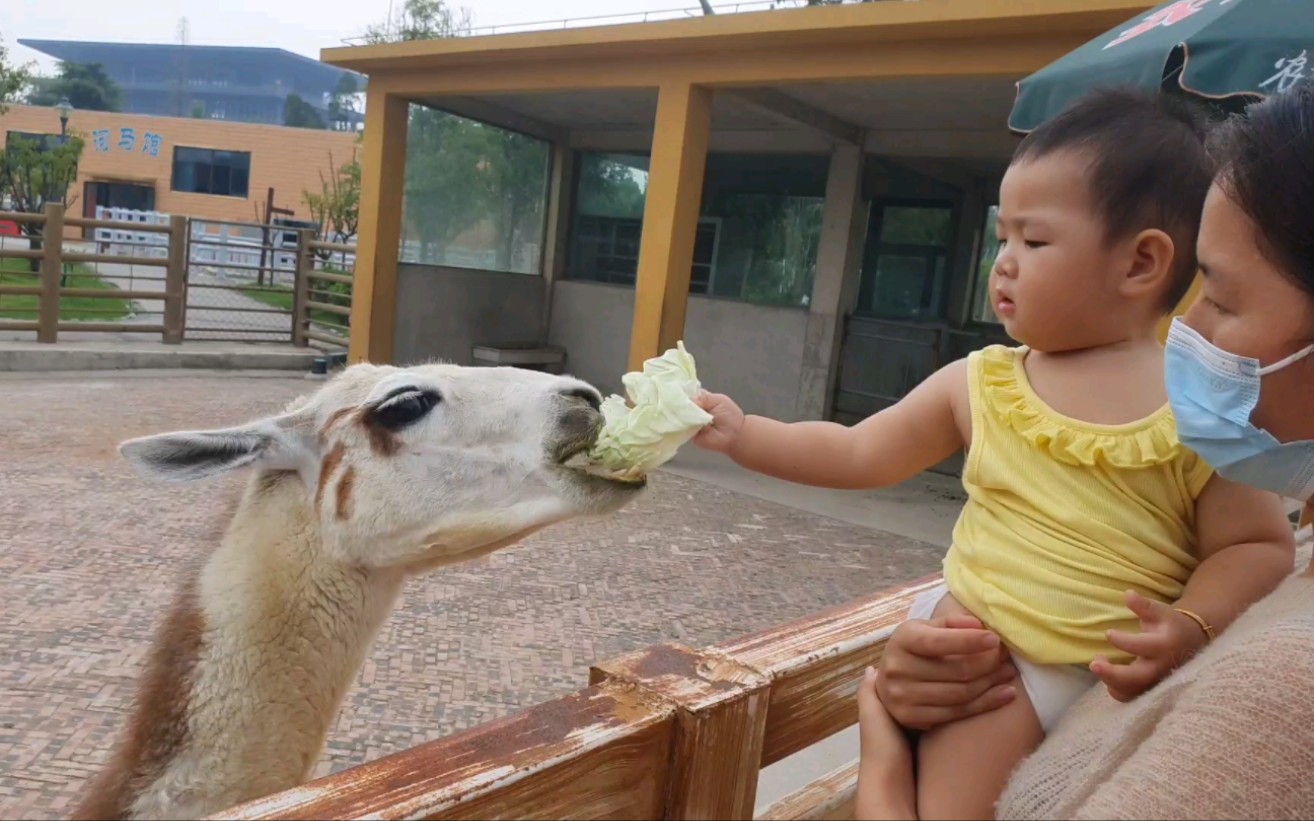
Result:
{"points": [[587, 395]]}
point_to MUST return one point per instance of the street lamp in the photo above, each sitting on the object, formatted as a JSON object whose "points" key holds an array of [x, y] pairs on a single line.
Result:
{"points": [[64, 107]]}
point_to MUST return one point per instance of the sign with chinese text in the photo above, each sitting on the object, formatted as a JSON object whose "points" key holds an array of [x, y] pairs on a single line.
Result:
{"points": [[104, 140]]}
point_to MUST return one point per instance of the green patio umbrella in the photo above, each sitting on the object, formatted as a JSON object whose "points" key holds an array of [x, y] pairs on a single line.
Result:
{"points": [[1229, 52]]}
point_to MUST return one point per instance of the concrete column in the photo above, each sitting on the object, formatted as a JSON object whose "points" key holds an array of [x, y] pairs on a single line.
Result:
{"points": [[383, 176], [670, 219], [839, 257], [561, 192]]}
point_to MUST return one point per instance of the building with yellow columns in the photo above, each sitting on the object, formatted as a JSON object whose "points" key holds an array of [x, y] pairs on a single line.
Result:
{"points": [[803, 195]]}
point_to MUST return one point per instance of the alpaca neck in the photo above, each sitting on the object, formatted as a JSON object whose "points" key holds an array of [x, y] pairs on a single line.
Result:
{"points": [[285, 631]]}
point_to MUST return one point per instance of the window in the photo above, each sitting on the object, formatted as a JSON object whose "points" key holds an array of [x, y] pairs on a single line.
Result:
{"points": [[609, 199], [43, 142], [757, 236], [904, 271], [211, 171], [475, 195], [982, 310]]}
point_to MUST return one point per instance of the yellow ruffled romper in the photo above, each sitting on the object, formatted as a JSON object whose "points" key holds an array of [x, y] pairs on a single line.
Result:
{"points": [[1063, 517]]}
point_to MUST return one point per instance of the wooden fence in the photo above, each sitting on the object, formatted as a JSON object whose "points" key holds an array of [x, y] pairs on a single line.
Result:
{"points": [[319, 292], [52, 258], [321, 308], [666, 733]]}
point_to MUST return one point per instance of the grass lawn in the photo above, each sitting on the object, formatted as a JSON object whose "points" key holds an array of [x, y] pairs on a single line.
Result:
{"points": [[24, 307], [281, 298]]}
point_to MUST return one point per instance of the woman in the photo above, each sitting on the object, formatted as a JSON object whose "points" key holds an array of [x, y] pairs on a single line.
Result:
{"points": [[1231, 733]]}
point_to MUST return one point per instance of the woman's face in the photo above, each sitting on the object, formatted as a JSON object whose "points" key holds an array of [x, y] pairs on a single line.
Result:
{"points": [[1247, 306]]}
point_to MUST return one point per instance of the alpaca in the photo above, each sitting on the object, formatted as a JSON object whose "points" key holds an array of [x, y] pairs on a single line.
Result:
{"points": [[381, 474]]}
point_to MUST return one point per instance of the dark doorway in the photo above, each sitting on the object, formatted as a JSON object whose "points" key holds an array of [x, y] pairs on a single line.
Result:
{"points": [[116, 195]]}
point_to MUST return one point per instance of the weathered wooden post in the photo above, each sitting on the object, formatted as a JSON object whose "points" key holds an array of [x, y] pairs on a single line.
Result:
{"points": [[175, 282], [52, 266], [720, 726], [301, 288]]}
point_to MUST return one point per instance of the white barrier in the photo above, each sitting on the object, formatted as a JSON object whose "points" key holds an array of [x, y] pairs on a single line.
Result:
{"points": [[125, 242], [229, 249]]}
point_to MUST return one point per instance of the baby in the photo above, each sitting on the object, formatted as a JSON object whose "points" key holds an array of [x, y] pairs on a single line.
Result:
{"points": [[1085, 517]]}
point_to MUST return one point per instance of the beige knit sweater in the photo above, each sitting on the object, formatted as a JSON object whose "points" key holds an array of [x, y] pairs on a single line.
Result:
{"points": [[1229, 735]]}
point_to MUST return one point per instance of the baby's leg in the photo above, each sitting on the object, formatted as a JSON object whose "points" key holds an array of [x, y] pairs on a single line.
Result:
{"points": [[962, 767]]}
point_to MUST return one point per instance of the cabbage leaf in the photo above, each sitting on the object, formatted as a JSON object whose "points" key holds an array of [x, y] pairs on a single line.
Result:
{"points": [[644, 433]]}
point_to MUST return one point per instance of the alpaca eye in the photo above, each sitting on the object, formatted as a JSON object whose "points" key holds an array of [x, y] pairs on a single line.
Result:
{"points": [[405, 408]]}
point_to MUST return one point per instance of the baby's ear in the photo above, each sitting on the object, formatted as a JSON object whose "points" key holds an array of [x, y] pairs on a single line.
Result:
{"points": [[1153, 255]]}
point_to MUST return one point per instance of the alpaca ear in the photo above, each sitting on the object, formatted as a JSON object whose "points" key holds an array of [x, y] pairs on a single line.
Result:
{"points": [[184, 456]]}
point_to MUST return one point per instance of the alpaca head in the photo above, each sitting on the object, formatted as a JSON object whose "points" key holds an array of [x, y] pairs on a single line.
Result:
{"points": [[411, 467]]}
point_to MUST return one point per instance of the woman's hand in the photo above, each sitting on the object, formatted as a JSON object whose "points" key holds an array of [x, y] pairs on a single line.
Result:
{"points": [[937, 671], [727, 423]]}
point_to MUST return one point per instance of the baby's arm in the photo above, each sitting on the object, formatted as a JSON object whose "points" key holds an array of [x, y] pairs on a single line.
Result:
{"points": [[1246, 547], [895, 444]]}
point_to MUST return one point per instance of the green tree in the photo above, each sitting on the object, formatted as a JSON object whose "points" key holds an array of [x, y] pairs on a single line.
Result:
{"points": [[608, 187], [342, 103], [336, 206], [13, 78], [86, 86], [33, 173], [298, 113], [420, 20], [462, 174], [198, 110]]}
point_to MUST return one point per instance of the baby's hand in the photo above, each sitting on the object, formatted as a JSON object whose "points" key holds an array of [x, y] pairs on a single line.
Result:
{"points": [[727, 421], [1167, 639]]}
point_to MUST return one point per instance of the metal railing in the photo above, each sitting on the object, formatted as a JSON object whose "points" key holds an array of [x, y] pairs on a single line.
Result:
{"points": [[654, 16], [665, 733]]}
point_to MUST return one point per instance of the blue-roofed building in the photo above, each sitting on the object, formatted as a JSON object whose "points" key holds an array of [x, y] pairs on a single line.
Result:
{"points": [[239, 83]]}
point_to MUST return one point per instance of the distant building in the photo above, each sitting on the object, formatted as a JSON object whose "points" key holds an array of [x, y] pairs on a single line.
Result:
{"points": [[236, 83], [198, 168]]}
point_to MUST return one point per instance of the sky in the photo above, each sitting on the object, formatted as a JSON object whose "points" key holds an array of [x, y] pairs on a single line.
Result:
{"points": [[302, 26]]}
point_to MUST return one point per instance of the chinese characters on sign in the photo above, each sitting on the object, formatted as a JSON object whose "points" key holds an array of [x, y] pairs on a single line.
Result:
{"points": [[1290, 70], [150, 141]]}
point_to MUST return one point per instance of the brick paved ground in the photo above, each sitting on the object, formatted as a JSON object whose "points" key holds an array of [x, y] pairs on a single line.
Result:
{"points": [[88, 554]]}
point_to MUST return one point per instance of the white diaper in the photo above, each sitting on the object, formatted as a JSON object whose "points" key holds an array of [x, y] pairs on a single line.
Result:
{"points": [[1051, 687]]}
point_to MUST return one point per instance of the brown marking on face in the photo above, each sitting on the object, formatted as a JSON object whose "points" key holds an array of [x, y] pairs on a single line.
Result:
{"points": [[382, 441], [157, 730], [344, 493], [326, 468], [336, 417]]}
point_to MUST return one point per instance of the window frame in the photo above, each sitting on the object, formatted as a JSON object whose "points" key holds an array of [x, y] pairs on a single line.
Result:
{"points": [[213, 152], [705, 221], [978, 257], [876, 214]]}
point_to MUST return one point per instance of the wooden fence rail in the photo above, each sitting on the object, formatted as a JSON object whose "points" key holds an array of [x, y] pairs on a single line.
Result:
{"points": [[320, 304], [314, 320], [52, 258], [665, 733]]}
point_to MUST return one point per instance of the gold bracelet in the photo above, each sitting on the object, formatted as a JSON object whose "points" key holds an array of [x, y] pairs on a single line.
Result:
{"points": [[1204, 625]]}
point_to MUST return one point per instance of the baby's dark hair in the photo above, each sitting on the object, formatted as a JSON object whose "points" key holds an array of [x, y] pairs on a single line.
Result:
{"points": [[1266, 159], [1149, 167]]}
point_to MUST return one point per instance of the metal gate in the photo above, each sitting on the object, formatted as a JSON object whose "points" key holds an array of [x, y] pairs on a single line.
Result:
{"points": [[882, 360], [241, 282]]}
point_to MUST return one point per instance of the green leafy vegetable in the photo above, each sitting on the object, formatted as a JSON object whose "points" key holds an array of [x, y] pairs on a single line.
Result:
{"points": [[644, 433]]}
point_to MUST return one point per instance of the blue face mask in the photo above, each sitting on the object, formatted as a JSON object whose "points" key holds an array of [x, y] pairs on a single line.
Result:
{"points": [[1212, 394]]}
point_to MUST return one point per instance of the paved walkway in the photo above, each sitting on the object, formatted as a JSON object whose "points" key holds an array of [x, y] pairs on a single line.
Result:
{"points": [[89, 554]]}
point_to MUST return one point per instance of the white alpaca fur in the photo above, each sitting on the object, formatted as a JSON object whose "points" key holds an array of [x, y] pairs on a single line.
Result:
{"points": [[258, 653]]}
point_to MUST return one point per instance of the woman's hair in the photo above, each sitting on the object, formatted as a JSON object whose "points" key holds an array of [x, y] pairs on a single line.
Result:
{"points": [[1266, 166]]}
